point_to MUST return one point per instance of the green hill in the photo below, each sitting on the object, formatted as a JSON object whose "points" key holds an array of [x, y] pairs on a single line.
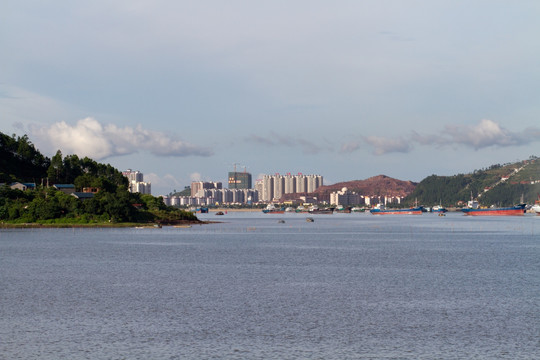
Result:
{"points": [[111, 202], [501, 185]]}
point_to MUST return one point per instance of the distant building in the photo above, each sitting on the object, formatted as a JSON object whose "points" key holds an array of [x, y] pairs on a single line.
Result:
{"points": [[83, 195], [273, 187], [65, 188], [198, 186], [346, 197], [22, 186], [136, 182], [239, 180]]}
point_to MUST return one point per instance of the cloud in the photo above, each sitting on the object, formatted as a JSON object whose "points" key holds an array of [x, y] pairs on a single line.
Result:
{"points": [[165, 181], [384, 145], [485, 134], [88, 137], [195, 176], [277, 140]]}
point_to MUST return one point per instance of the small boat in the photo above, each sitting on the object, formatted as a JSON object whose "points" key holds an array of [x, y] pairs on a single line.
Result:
{"points": [[220, 213], [271, 209], [202, 210], [309, 219], [380, 209], [496, 211], [316, 210], [281, 221], [301, 209], [438, 209]]}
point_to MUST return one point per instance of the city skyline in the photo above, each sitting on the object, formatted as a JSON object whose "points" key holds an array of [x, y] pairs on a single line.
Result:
{"points": [[187, 91]]}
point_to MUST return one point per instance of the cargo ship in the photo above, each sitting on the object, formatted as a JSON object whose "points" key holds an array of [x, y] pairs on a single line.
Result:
{"points": [[381, 210], [496, 211]]}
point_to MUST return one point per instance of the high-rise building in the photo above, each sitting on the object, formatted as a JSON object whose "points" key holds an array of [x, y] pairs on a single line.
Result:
{"points": [[239, 180], [197, 186], [136, 182], [272, 187]]}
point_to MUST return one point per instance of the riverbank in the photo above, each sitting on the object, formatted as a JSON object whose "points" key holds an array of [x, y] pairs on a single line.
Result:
{"points": [[4, 225]]}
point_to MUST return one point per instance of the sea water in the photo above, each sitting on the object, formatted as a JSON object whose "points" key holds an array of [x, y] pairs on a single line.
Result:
{"points": [[346, 286]]}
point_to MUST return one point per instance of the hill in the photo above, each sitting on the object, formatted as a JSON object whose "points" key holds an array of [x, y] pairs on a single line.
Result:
{"points": [[376, 185], [501, 185], [373, 186], [110, 202]]}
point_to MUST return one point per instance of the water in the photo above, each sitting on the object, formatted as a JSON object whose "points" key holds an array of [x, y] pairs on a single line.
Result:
{"points": [[347, 286]]}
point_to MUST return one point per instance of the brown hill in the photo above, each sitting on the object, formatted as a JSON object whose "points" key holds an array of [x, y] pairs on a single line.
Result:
{"points": [[376, 185]]}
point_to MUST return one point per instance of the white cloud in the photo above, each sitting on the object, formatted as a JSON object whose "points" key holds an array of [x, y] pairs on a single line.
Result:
{"points": [[384, 145], [195, 176], [166, 181], [485, 134], [278, 140], [88, 137]]}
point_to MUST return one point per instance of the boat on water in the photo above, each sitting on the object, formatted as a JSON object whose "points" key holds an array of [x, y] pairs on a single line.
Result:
{"points": [[316, 210], [495, 211], [536, 206], [202, 210], [438, 209], [380, 209], [271, 209]]}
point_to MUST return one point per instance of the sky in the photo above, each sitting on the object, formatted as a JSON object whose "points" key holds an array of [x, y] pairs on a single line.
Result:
{"points": [[190, 90]]}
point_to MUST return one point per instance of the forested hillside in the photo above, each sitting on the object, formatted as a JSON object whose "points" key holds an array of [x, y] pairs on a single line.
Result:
{"points": [[20, 161], [501, 185]]}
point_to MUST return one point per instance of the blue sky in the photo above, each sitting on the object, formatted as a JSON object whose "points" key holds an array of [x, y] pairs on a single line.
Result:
{"points": [[183, 90]]}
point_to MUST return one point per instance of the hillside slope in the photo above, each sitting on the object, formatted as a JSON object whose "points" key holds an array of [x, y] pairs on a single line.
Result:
{"points": [[500, 185]]}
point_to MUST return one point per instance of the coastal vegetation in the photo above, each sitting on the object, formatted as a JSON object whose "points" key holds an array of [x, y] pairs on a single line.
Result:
{"points": [[109, 201], [501, 185]]}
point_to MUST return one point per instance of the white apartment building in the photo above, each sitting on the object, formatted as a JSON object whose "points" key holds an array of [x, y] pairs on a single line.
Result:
{"points": [[140, 187], [217, 196], [273, 187], [136, 182], [346, 197]]}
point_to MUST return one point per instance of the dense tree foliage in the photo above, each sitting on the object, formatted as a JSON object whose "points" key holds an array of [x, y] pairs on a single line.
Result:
{"points": [[485, 185], [20, 161]]}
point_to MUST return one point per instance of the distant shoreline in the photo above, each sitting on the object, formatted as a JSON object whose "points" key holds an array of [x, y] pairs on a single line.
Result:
{"points": [[99, 225]]}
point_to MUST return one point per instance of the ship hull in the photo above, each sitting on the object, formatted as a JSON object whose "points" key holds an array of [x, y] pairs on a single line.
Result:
{"points": [[273, 211], [413, 211], [505, 211]]}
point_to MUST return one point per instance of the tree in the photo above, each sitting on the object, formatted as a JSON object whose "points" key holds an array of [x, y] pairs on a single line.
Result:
{"points": [[55, 173]]}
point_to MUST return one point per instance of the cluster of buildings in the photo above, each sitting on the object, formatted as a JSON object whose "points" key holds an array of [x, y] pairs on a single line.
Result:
{"points": [[345, 197], [268, 189], [241, 191], [136, 182], [273, 187]]}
